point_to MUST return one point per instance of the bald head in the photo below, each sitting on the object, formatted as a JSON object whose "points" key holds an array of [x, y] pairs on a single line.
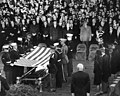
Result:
{"points": [[80, 67]]}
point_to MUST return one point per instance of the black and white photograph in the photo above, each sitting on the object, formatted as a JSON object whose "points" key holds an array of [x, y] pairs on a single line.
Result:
{"points": [[59, 47]]}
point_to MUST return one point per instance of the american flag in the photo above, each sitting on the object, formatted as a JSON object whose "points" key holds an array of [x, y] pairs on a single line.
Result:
{"points": [[38, 57]]}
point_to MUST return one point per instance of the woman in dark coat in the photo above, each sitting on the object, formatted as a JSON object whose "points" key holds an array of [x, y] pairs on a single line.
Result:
{"points": [[105, 70], [97, 69], [115, 60]]}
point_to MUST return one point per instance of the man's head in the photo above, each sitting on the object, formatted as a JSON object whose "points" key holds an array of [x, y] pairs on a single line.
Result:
{"points": [[80, 67]]}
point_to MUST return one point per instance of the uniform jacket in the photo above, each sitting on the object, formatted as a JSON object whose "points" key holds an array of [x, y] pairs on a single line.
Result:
{"points": [[52, 66], [5, 59], [80, 84]]}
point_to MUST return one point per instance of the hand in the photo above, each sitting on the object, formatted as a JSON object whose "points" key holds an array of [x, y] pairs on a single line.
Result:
{"points": [[88, 94], [73, 94], [11, 64]]}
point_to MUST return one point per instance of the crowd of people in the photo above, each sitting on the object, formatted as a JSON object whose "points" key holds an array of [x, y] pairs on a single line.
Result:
{"points": [[29, 23], [106, 65], [48, 20]]}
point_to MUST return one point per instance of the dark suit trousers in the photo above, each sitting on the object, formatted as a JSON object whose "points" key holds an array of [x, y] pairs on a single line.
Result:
{"points": [[9, 77]]}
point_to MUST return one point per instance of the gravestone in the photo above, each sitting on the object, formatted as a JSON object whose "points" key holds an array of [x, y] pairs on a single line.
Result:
{"points": [[92, 51], [81, 52]]}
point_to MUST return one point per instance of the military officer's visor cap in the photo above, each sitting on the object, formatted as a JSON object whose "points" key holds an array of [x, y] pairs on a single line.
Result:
{"points": [[5, 46], [13, 44], [63, 39]]}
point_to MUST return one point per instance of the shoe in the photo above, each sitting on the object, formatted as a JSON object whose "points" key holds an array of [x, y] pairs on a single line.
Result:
{"points": [[52, 90]]}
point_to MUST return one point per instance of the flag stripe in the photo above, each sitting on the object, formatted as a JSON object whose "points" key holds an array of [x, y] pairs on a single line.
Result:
{"points": [[37, 53], [41, 54], [33, 52], [39, 67], [46, 52], [43, 62], [46, 57]]}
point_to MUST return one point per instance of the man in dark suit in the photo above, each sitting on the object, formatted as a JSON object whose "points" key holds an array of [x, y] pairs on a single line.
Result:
{"points": [[80, 84]]}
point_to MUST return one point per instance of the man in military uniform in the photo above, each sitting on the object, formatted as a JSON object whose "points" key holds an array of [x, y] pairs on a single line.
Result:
{"points": [[65, 60], [70, 53], [53, 70], [59, 74], [7, 64], [14, 55]]}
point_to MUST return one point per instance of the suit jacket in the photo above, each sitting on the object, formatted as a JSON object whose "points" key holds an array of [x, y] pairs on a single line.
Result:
{"points": [[80, 84], [4, 86], [105, 68], [85, 33]]}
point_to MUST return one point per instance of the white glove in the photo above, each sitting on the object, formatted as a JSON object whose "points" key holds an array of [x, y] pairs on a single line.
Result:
{"points": [[88, 94], [73, 94], [11, 64]]}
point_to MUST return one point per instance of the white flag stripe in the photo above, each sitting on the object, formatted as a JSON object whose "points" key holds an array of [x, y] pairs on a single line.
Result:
{"points": [[32, 53], [25, 62], [40, 54], [44, 62], [44, 53], [46, 57], [39, 67], [37, 54]]}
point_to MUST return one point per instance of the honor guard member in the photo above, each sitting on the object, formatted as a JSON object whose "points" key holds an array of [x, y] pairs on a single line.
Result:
{"points": [[20, 46], [59, 74], [14, 53], [53, 69], [70, 52], [65, 60], [7, 64]]}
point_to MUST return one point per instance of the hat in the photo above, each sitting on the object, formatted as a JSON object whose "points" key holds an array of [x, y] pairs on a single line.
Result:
{"points": [[19, 38], [63, 39], [69, 34], [13, 44], [5, 46], [56, 44]]}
